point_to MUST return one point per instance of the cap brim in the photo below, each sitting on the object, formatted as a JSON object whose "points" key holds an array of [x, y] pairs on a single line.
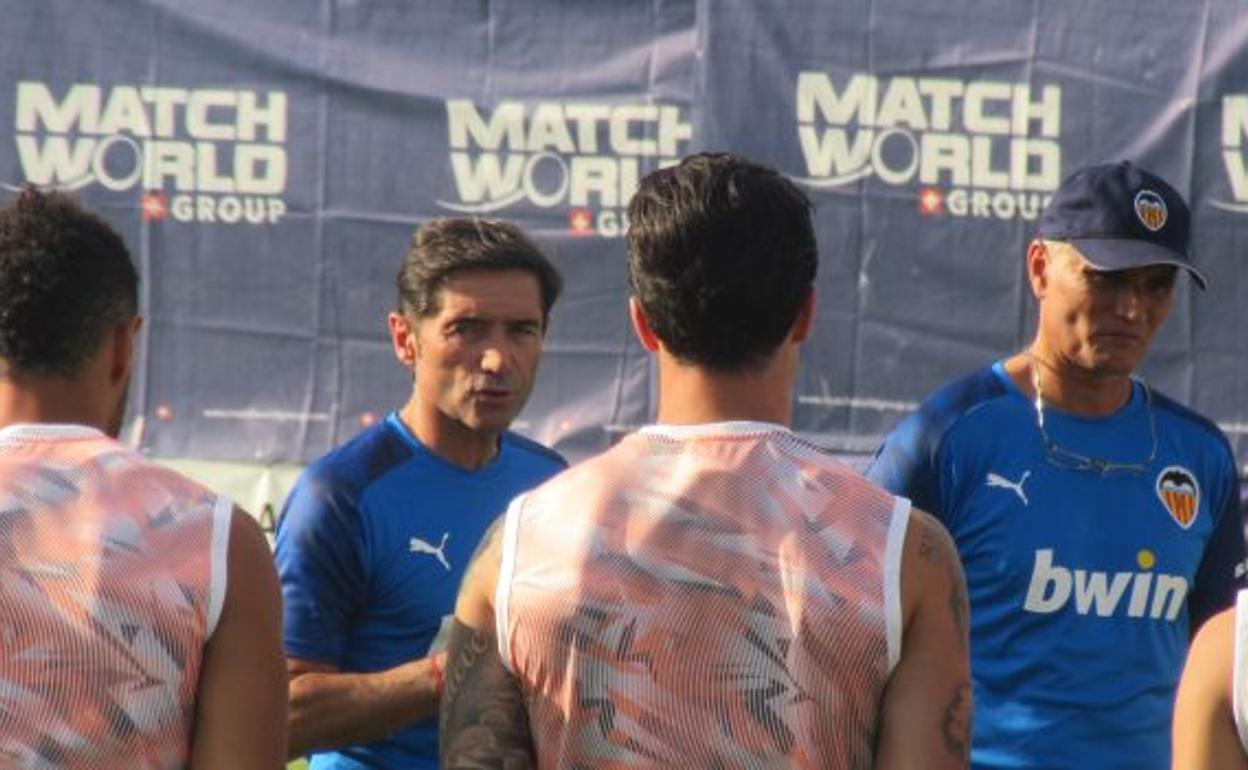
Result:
{"points": [[1125, 253]]}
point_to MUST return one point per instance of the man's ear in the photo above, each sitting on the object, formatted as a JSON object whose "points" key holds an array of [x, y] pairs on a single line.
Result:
{"points": [[1039, 258], [805, 320], [122, 343], [649, 340], [403, 339]]}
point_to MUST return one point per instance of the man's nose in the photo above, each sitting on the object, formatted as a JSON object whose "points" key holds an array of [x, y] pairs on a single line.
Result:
{"points": [[493, 360], [1130, 301]]}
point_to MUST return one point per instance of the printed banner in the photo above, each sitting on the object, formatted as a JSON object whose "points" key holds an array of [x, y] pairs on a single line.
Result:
{"points": [[267, 163]]}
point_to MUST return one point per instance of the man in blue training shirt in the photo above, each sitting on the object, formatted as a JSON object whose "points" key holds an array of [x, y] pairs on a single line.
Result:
{"points": [[1097, 520], [376, 534]]}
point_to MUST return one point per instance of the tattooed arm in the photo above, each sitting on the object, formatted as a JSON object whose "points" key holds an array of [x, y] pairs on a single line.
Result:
{"points": [[926, 717], [482, 720]]}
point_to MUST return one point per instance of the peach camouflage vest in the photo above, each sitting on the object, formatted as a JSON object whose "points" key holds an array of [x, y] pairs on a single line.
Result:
{"points": [[112, 577], [722, 595]]}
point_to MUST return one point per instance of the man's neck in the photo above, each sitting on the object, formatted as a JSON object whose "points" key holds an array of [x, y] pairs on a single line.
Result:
{"points": [[692, 395], [1067, 387], [449, 439], [33, 400]]}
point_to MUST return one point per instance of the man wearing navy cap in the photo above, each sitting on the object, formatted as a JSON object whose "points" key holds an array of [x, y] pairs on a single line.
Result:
{"points": [[1097, 519]]}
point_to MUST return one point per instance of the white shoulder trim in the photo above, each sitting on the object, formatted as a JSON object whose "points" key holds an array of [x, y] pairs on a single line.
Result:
{"points": [[729, 428], [1239, 684], [507, 570], [219, 551], [894, 546], [28, 431]]}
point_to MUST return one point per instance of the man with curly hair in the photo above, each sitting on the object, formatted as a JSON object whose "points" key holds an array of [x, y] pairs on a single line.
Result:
{"points": [[139, 612]]}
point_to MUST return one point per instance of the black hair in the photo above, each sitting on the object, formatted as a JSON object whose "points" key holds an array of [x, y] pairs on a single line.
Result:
{"points": [[443, 247], [721, 256], [65, 278]]}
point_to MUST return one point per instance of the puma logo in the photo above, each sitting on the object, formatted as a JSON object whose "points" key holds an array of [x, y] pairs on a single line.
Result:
{"points": [[995, 480], [421, 546]]}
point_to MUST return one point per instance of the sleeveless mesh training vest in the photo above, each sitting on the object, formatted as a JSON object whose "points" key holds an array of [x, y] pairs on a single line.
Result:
{"points": [[713, 596], [112, 576]]}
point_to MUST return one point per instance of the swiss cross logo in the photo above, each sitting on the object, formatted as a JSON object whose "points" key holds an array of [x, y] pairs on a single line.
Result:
{"points": [[988, 149], [581, 222], [202, 155], [155, 206], [582, 159], [931, 202]]}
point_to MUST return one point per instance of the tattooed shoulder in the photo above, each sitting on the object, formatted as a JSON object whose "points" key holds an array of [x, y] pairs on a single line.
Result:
{"points": [[934, 540], [937, 547]]}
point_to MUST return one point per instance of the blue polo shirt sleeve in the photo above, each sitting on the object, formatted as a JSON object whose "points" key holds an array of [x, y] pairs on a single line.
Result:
{"points": [[320, 562], [917, 457], [904, 463], [1221, 571]]}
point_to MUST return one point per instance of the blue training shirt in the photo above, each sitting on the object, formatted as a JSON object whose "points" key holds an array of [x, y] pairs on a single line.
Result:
{"points": [[1084, 588], [371, 547]]}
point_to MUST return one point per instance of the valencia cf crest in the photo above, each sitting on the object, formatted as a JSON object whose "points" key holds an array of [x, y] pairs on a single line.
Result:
{"points": [[1151, 210], [1180, 493]]}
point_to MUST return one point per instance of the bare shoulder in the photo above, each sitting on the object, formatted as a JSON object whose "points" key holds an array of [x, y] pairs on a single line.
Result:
{"points": [[241, 706], [927, 540], [247, 540], [1211, 658], [475, 605], [485, 558], [249, 562], [1218, 633], [931, 573], [251, 575]]}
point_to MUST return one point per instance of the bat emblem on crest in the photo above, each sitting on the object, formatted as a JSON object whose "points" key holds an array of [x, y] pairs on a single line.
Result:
{"points": [[1150, 208], [1179, 492]]}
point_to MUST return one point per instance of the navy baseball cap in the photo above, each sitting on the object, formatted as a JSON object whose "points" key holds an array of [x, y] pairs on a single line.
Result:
{"points": [[1120, 216]]}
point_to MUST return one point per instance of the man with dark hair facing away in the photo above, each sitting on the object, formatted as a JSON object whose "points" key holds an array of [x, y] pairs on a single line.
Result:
{"points": [[375, 536], [714, 591], [139, 612]]}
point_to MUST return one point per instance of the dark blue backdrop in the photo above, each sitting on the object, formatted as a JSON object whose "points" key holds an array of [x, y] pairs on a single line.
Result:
{"points": [[268, 161]]}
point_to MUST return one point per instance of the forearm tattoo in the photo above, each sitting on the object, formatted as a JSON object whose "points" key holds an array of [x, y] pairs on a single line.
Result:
{"points": [[955, 724], [958, 605], [482, 720]]}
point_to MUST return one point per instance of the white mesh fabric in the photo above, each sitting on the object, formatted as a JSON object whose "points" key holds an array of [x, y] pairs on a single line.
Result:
{"points": [[705, 597], [104, 594]]}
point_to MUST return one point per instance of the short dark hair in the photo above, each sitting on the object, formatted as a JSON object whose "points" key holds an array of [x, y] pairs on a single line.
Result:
{"points": [[443, 247], [721, 256], [65, 278]]}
